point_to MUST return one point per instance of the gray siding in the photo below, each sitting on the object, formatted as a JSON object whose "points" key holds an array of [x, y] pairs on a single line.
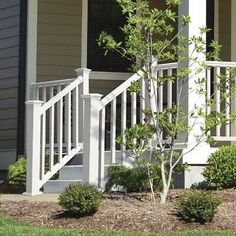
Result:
{"points": [[9, 60]]}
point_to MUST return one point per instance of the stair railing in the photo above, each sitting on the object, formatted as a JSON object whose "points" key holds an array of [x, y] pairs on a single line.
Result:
{"points": [[111, 116], [54, 129]]}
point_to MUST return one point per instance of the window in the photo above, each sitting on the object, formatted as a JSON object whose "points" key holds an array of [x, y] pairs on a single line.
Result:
{"points": [[105, 15]]}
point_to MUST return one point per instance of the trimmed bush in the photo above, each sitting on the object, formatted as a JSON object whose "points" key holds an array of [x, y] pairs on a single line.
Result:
{"points": [[133, 180], [197, 205], [220, 171], [80, 199], [17, 172]]}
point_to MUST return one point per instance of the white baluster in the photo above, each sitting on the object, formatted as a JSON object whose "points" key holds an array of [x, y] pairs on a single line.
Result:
{"points": [[123, 121], [60, 128], [102, 149], [76, 117], [208, 93], [142, 101], [217, 97], [113, 132], [68, 122], [227, 103], [169, 93], [133, 109]]}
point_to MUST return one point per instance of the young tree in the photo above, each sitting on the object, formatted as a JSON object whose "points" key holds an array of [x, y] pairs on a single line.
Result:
{"points": [[151, 39]]}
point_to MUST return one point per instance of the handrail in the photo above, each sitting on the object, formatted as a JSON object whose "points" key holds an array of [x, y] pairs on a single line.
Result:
{"points": [[61, 94], [167, 66], [221, 63], [116, 92], [51, 83]]}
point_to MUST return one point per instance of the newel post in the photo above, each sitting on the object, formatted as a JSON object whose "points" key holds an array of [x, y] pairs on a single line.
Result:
{"points": [[91, 138], [33, 118], [83, 89]]}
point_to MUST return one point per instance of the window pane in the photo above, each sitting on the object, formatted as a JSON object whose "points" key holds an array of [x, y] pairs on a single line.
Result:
{"points": [[105, 15]]}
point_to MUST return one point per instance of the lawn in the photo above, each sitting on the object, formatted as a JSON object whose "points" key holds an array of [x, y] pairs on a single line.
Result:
{"points": [[12, 228]]}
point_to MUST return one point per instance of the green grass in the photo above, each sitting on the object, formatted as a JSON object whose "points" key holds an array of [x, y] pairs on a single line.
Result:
{"points": [[12, 228]]}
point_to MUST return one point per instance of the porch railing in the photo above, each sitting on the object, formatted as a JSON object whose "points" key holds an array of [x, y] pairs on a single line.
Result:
{"points": [[67, 117], [121, 109], [217, 69], [54, 128]]}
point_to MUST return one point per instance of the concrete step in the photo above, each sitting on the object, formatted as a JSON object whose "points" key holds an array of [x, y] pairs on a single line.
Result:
{"points": [[72, 172], [58, 186]]}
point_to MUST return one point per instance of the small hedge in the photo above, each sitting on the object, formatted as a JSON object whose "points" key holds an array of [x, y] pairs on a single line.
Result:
{"points": [[80, 199], [133, 180], [17, 172], [220, 171], [197, 205]]}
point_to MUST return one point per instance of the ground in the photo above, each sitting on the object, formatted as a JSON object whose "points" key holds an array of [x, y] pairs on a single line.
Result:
{"points": [[133, 212]]}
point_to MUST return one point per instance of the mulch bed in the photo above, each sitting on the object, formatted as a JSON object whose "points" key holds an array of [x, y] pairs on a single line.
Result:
{"points": [[5, 187], [133, 212]]}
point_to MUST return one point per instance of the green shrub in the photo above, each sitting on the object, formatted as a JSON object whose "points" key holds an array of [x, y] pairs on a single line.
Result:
{"points": [[78, 199], [133, 180], [197, 205], [220, 171], [17, 172], [203, 185]]}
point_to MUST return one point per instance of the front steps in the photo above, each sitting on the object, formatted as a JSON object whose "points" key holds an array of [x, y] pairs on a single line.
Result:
{"points": [[67, 175]]}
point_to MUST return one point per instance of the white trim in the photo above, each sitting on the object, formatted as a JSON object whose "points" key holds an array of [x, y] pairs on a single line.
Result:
{"points": [[233, 58], [84, 34], [103, 75], [31, 51]]}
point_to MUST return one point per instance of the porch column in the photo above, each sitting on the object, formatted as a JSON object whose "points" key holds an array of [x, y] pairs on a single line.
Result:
{"points": [[83, 90], [233, 57], [31, 54], [91, 139], [189, 97]]}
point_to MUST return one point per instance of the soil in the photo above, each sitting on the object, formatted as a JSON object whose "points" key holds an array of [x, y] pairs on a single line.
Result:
{"points": [[119, 212], [5, 187]]}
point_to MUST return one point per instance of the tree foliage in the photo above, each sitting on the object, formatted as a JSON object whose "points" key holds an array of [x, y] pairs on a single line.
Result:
{"points": [[151, 39]]}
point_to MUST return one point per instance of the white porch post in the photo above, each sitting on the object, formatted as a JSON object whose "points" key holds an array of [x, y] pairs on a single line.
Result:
{"points": [[31, 54], [91, 139], [83, 90], [233, 58], [33, 147], [190, 98]]}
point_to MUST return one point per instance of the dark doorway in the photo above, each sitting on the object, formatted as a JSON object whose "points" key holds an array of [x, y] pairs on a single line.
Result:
{"points": [[105, 15]]}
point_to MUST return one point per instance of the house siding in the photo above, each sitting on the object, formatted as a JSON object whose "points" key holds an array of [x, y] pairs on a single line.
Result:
{"points": [[225, 29], [59, 39], [9, 72]]}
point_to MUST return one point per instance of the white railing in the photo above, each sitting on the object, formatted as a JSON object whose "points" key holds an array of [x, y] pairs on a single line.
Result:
{"points": [[224, 105], [61, 122], [44, 91], [121, 109], [54, 130]]}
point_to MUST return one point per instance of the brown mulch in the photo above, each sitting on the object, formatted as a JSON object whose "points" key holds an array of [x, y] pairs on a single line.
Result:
{"points": [[133, 212]]}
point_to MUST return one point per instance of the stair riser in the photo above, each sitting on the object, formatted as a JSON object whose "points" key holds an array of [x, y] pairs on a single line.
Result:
{"points": [[71, 173], [57, 186]]}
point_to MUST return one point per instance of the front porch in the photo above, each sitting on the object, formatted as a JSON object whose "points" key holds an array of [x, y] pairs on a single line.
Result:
{"points": [[70, 121], [65, 118]]}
